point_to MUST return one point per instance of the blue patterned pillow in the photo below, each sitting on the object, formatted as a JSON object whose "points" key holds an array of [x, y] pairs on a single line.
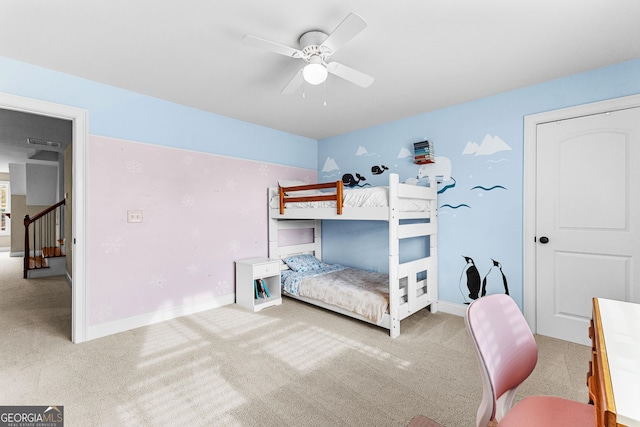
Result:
{"points": [[304, 263]]}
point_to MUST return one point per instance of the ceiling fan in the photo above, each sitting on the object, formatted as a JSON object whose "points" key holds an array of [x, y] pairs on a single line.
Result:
{"points": [[315, 48]]}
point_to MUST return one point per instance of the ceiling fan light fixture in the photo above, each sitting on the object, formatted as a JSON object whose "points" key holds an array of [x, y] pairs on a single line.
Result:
{"points": [[315, 49], [315, 72]]}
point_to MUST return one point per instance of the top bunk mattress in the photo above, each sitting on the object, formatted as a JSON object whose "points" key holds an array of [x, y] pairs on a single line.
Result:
{"points": [[371, 197]]}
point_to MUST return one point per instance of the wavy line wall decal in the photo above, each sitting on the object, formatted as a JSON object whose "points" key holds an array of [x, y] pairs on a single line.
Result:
{"points": [[480, 187], [462, 205]]}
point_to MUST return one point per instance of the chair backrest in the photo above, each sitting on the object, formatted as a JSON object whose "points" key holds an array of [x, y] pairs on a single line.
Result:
{"points": [[506, 351]]}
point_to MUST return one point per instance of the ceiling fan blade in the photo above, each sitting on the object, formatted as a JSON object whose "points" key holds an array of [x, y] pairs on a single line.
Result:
{"points": [[349, 74], [295, 82], [345, 31], [271, 46]]}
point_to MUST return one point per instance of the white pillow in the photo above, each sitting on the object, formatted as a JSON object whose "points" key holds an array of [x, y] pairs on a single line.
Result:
{"points": [[305, 262]]}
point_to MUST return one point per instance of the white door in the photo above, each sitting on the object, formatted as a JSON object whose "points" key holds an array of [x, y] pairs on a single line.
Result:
{"points": [[587, 218]]}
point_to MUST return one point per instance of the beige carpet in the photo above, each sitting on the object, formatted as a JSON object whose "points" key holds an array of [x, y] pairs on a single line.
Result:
{"points": [[422, 421], [291, 365]]}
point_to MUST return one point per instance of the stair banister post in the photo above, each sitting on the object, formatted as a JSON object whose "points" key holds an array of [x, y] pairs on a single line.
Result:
{"points": [[27, 221]]}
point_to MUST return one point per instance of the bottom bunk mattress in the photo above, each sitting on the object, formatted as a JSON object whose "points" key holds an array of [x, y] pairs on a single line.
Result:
{"points": [[362, 292]]}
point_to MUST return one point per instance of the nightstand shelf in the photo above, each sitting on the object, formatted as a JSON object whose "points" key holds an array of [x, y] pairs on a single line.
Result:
{"points": [[249, 270]]}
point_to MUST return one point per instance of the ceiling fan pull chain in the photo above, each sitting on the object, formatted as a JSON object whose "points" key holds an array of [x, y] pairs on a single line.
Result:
{"points": [[324, 87]]}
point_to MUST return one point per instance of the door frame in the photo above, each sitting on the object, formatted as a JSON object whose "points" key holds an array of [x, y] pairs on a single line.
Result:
{"points": [[530, 163], [79, 119]]}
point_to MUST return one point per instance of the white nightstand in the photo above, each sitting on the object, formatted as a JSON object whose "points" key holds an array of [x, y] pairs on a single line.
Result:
{"points": [[249, 270]]}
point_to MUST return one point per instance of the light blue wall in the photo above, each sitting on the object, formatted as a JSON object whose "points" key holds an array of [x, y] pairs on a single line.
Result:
{"points": [[479, 223], [128, 115]]}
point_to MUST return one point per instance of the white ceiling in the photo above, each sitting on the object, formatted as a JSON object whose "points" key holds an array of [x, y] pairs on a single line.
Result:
{"points": [[424, 54]]}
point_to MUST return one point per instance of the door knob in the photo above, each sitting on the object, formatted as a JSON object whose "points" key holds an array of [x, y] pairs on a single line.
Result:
{"points": [[544, 240]]}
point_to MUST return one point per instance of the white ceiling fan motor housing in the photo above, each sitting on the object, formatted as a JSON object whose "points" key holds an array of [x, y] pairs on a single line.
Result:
{"points": [[311, 45]]}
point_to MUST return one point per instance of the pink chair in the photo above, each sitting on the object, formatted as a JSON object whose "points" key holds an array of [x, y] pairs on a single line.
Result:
{"points": [[507, 354]]}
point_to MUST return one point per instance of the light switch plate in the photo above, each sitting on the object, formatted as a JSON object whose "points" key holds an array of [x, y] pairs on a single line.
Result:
{"points": [[134, 215]]}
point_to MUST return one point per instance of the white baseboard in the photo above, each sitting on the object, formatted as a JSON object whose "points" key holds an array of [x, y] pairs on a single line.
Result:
{"points": [[451, 308], [17, 254], [110, 328]]}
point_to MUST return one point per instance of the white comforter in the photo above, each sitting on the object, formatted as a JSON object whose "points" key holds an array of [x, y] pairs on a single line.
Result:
{"points": [[357, 198]]}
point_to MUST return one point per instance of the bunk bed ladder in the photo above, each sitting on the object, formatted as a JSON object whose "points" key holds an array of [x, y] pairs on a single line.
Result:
{"points": [[414, 299]]}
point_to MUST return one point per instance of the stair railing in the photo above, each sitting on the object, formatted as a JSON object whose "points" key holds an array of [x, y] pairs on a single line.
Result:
{"points": [[47, 234]]}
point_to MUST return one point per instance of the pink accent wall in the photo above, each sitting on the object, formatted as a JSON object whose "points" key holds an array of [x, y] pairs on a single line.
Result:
{"points": [[201, 212]]}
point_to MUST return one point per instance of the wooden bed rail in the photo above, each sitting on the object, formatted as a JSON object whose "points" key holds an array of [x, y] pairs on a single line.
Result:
{"points": [[337, 196]]}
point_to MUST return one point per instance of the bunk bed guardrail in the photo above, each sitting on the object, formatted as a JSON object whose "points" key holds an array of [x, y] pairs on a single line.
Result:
{"points": [[338, 186]]}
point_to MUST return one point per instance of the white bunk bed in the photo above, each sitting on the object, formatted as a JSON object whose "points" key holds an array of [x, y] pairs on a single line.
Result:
{"points": [[410, 211]]}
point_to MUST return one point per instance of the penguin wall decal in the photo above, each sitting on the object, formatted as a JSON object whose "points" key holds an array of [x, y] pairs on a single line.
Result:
{"points": [[472, 288], [470, 278], [495, 283]]}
